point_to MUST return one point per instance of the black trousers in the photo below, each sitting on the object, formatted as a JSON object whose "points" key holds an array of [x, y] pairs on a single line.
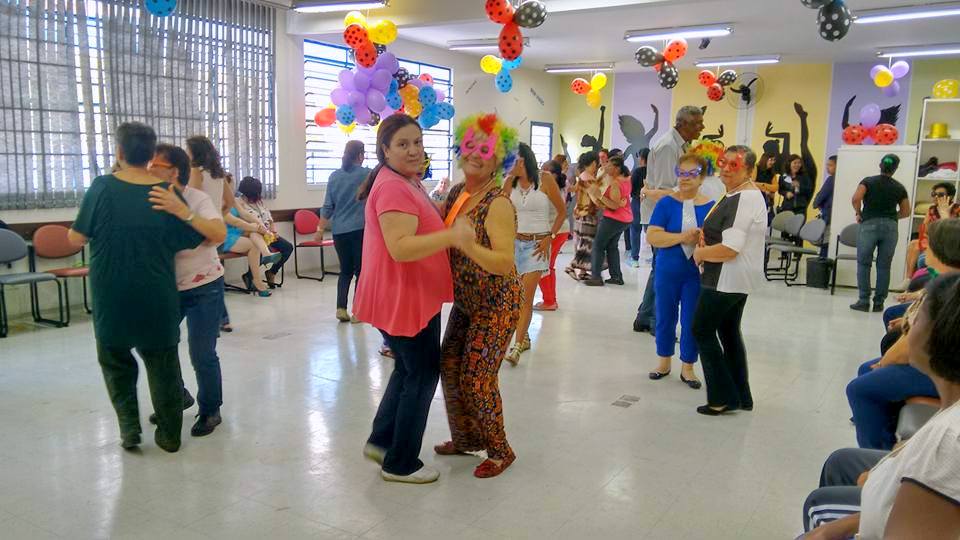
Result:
{"points": [[402, 416], [349, 248], [286, 249], [716, 328]]}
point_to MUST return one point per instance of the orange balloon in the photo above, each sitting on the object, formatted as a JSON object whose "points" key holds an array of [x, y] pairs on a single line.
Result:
{"points": [[675, 50], [580, 86], [325, 117]]}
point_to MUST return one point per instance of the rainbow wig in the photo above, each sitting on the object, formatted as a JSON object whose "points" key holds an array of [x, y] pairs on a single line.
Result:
{"points": [[505, 151], [710, 150]]}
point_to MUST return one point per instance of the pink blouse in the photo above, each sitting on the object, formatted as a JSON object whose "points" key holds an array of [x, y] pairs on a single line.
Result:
{"points": [[624, 214]]}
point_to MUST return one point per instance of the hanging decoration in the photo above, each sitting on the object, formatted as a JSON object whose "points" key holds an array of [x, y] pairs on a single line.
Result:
{"points": [[887, 78], [528, 14], [501, 68], [946, 89], [669, 76], [590, 88], [717, 85], [160, 8], [870, 130], [834, 18]]}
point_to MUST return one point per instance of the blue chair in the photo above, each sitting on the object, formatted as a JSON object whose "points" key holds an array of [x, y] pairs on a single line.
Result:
{"points": [[13, 248]]}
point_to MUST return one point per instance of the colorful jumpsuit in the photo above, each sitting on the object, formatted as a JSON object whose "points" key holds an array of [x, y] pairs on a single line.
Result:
{"points": [[484, 316]]}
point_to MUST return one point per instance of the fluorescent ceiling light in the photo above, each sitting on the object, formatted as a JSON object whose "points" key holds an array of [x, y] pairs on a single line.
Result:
{"points": [[926, 50], [739, 61], [577, 68], [907, 13], [330, 6], [686, 32], [468, 44]]}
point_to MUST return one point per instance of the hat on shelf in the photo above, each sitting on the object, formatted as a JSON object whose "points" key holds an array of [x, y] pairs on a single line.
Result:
{"points": [[939, 130]]}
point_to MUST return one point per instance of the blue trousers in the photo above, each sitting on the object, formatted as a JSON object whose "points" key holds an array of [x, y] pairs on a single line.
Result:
{"points": [[677, 292], [876, 397], [878, 235], [203, 309], [894, 312]]}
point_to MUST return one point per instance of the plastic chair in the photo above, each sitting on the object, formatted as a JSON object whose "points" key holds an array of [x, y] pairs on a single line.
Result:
{"points": [[794, 223], [914, 414], [50, 242], [13, 248], [847, 237], [811, 232], [305, 223]]}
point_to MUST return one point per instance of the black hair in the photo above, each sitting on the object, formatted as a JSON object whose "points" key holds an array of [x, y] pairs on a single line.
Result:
{"points": [[137, 141], [205, 155], [749, 156], [644, 154], [177, 157], [889, 164], [942, 304], [948, 186], [586, 159], [618, 163], [388, 128], [352, 151], [832, 158], [529, 165], [554, 168], [944, 241], [251, 188], [790, 160], [615, 152], [604, 151]]}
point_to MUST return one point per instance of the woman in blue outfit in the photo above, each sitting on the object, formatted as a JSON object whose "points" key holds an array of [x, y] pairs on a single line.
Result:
{"points": [[675, 231], [883, 384]]}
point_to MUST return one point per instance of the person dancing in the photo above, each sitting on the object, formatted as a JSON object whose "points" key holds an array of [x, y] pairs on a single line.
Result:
{"points": [[586, 215], [487, 294]]}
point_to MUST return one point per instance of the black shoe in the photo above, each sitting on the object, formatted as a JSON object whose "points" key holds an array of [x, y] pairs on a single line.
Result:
{"points": [[877, 308], [656, 375], [860, 306], [205, 424], [692, 383], [593, 282], [188, 402], [168, 446], [710, 411], [614, 281], [248, 281], [747, 408], [130, 441], [641, 327]]}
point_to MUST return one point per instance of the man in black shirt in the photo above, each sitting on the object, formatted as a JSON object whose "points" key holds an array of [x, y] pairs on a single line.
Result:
{"points": [[878, 202]]}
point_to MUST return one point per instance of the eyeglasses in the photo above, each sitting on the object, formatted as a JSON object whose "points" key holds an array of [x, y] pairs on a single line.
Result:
{"points": [[692, 173], [939, 194], [734, 164]]}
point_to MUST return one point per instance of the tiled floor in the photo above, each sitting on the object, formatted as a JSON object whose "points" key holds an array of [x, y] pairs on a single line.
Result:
{"points": [[300, 391]]}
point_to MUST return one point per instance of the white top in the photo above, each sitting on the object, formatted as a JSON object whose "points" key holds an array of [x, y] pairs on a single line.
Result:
{"points": [[930, 459], [533, 210], [739, 222], [661, 168], [201, 265], [213, 187], [258, 209], [713, 188]]}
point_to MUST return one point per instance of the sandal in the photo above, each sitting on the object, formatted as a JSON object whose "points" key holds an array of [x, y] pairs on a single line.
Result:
{"points": [[513, 356], [226, 328], [489, 468], [524, 344], [656, 375], [448, 449]]}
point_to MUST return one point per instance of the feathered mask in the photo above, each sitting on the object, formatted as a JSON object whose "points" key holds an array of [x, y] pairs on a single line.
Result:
{"points": [[500, 141]]}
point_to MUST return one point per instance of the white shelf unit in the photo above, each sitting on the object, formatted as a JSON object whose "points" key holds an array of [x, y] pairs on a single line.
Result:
{"points": [[945, 111]]}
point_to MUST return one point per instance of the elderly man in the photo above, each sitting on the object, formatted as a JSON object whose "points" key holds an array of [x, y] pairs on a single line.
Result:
{"points": [[661, 181]]}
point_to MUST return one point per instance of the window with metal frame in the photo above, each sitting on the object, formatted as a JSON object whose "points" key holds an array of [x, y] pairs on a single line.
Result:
{"points": [[541, 141], [322, 62]]}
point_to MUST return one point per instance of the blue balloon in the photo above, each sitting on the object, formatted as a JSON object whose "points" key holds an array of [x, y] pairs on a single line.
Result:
{"points": [[504, 81], [394, 87], [161, 8], [394, 100], [511, 65], [430, 116], [345, 115], [445, 110], [428, 96]]}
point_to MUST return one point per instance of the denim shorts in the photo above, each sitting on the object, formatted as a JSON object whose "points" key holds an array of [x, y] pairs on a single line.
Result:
{"points": [[527, 262]]}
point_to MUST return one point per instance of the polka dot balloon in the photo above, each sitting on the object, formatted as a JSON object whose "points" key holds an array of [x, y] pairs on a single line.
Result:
{"points": [[161, 8], [834, 19], [531, 14], [647, 56], [669, 76]]}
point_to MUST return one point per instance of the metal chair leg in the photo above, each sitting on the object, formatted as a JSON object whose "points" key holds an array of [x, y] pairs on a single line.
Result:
{"points": [[57, 323], [86, 305], [3, 313]]}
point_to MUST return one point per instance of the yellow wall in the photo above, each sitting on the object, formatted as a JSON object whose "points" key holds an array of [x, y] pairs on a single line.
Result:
{"points": [[578, 119], [926, 73], [689, 92]]}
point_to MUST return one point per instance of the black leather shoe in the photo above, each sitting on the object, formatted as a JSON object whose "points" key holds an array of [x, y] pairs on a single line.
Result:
{"points": [[656, 375], [614, 281], [130, 441], [188, 402], [877, 308], [641, 327], [205, 424], [593, 282], [168, 446], [710, 411], [692, 383], [860, 307]]}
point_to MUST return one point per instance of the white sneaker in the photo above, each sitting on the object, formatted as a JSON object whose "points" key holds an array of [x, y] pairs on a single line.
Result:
{"points": [[374, 453], [425, 475]]}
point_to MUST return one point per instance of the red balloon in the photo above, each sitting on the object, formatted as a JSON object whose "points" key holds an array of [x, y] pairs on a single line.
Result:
{"points": [[500, 11], [511, 42], [675, 50], [854, 134], [325, 117], [427, 78], [580, 86], [707, 78], [885, 134], [716, 92], [366, 55], [355, 36]]}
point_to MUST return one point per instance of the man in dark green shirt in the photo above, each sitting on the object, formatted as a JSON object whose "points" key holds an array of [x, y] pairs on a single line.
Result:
{"points": [[133, 283]]}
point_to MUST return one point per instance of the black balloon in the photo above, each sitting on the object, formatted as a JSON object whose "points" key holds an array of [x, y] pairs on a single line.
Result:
{"points": [[834, 19], [380, 48], [814, 4], [402, 76], [669, 76], [647, 56], [727, 78], [530, 14], [374, 118]]}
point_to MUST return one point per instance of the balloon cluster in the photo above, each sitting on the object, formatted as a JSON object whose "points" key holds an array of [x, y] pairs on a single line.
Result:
{"points": [[363, 37], [946, 89], [870, 130], [530, 14], [669, 76], [493, 65], [834, 18], [590, 89], [716, 84], [160, 8], [887, 78]]}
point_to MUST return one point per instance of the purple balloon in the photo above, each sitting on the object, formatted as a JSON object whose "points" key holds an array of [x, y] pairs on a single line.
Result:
{"points": [[441, 95], [900, 69], [376, 101], [361, 81], [381, 80], [340, 96], [389, 62], [346, 79], [893, 90], [363, 115], [870, 115], [357, 99], [868, 141], [874, 70], [417, 82]]}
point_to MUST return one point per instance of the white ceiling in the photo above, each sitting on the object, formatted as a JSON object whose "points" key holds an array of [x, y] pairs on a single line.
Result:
{"points": [[592, 30]]}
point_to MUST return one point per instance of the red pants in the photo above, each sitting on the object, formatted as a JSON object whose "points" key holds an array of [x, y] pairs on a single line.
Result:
{"points": [[548, 283]]}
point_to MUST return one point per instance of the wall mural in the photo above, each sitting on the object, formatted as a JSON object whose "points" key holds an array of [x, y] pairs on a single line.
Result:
{"points": [[636, 133], [718, 136], [890, 115], [773, 145]]}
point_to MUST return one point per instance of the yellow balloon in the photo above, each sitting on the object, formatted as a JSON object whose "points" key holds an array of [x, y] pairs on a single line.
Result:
{"points": [[946, 89], [491, 64], [383, 32], [414, 108], [884, 78], [348, 129], [598, 82], [594, 99], [354, 17]]}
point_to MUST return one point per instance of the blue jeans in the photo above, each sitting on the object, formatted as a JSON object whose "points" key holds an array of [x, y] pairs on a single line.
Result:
{"points": [[894, 312], [636, 230], [880, 236], [876, 397], [203, 309]]}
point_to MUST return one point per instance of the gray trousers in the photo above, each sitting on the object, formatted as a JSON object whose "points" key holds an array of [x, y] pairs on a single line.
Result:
{"points": [[838, 495]]}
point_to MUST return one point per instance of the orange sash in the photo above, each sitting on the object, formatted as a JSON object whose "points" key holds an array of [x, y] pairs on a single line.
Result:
{"points": [[455, 209]]}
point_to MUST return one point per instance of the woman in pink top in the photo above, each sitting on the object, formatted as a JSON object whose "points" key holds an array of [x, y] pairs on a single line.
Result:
{"points": [[405, 281], [617, 217]]}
